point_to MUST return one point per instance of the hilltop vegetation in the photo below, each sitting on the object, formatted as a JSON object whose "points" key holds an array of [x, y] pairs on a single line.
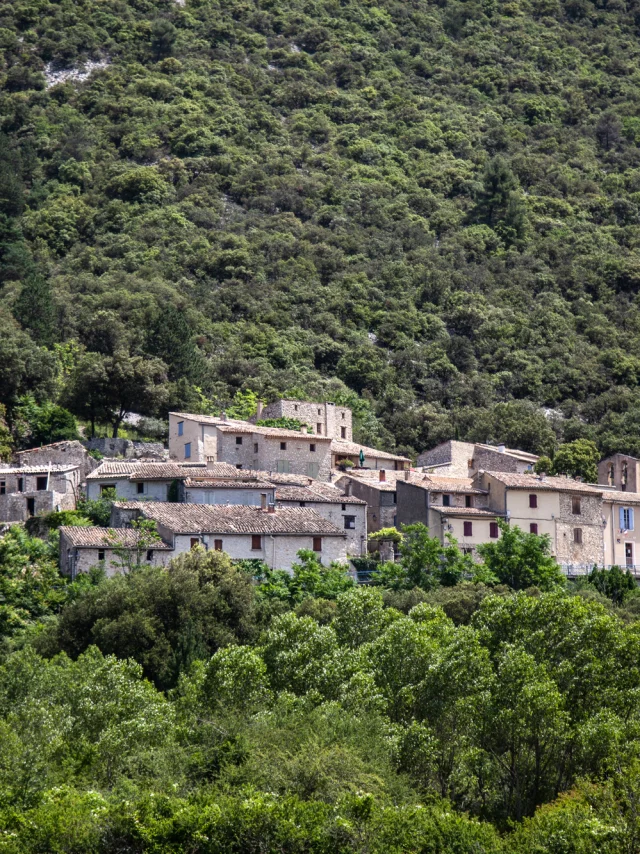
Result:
{"points": [[432, 206]]}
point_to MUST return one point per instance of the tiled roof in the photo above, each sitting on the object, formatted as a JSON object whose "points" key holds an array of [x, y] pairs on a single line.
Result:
{"points": [[341, 446], [230, 425], [371, 478], [525, 456], [283, 478], [548, 484], [229, 483], [619, 497], [93, 537], [450, 484], [136, 470], [232, 519], [466, 511], [41, 469], [319, 495]]}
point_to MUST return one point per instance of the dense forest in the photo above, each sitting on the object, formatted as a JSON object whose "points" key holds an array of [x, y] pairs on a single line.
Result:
{"points": [[430, 211], [214, 707]]}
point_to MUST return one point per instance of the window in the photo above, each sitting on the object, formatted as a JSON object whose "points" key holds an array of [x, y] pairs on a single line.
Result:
{"points": [[317, 544], [283, 446], [319, 412], [217, 545], [3, 487], [468, 529], [312, 447], [494, 531], [577, 536], [446, 501], [533, 500], [256, 542], [180, 428], [255, 447], [105, 486], [31, 506], [468, 501], [470, 463], [343, 432], [626, 519], [319, 429], [238, 465], [187, 450], [625, 473], [238, 440], [140, 488], [343, 416], [612, 475], [282, 466], [313, 469], [100, 554], [149, 555], [295, 407], [195, 541], [533, 528], [575, 505], [344, 506], [20, 484], [302, 503], [41, 483], [350, 522]]}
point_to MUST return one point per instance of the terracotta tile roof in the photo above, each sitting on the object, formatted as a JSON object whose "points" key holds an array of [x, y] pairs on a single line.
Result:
{"points": [[464, 485], [94, 537], [229, 483], [41, 469], [309, 494], [283, 478], [232, 519], [341, 446], [371, 478], [466, 511], [525, 456], [550, 484], [619, 497], [136, 470]]}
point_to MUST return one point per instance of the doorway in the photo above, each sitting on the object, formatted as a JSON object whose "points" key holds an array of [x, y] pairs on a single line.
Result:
{"points": [[628, 554], [31, 507]]}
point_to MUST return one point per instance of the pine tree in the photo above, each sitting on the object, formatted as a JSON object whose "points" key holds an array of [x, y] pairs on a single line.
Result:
{"points": [[171, 339], [35, 309]]}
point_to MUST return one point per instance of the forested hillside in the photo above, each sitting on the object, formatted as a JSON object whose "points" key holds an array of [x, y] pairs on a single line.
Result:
{"points": [[434, 206]]}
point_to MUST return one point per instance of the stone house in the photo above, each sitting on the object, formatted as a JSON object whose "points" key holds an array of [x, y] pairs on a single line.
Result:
{"points": [[114, 548], [341, 451], [568, 511], [620, 471], [378, 490], [34, 490], [347, 513], [465, 459], [621, 534], [66, 453], [448, 505], [203, 438], [136, 480], [248, 490], [322, 419], [274, 535]]}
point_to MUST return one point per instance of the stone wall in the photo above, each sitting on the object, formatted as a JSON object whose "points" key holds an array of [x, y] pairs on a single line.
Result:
{"points": [[589, 521], [264, 453], [456, 456], [330, 418], [356, 537], [127, 448], [60, 453], [126, 490]]}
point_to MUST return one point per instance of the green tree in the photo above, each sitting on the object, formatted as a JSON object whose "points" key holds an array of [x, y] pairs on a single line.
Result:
{"points": [[171, 339], [613, 583], [36, 311], [521, 560], [578, 459]]}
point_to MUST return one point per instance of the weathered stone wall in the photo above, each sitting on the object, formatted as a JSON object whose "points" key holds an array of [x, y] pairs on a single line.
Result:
{"points": [[620, 463], [356, 537], [413, 504], [381, 512], [264, 453], [486, 459], [330, 417], [127, 448], [126, 490], [590, 521], [456, 455], [60, 453]]}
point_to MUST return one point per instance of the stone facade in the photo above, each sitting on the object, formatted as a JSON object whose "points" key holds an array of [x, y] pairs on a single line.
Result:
{"points": [[26, 492], [71, 453], [323, 419], [450, 458], [621, 472], [464, 459], [347, 516], [127, 448], [379, 495]]}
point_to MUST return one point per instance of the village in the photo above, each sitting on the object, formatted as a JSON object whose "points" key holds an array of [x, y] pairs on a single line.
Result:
{"points": [[267, 492]]}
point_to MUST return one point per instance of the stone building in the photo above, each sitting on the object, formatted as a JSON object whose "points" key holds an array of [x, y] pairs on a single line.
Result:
{"points": [[247, 489], [448, 506], [274, 535], [620, 471], [322, 419], [204, 438], [346, 512], [465, 459], [378, 490], [569, 512], [66, 453], [130, 449], [114, 548], [366, 458], [34, 490], [137, 480]]}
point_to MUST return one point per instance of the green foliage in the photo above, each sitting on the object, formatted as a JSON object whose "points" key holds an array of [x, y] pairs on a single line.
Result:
{"points": [[286, 423], [521, 560], [309, 578], [42, 424], [577, 459], [613, 583], [98, 510]]}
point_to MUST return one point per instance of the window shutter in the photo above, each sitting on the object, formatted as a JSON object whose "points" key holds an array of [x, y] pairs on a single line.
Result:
{"points": [[631, 518], [622, 518]]}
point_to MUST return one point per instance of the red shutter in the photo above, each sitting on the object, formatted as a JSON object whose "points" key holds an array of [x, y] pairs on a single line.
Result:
{"points": [[533, 500], [468, 529], [493, 530], [533, 528]]}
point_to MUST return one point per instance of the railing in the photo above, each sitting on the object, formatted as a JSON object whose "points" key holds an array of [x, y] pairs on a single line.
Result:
{"points": [[577, 570]]}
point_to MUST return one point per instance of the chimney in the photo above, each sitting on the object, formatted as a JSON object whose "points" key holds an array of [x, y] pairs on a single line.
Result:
{"points": [[303, 428], [223, 415], [407, 475], [259, 410], [382, 475], [501, 448], [263, 500], [271, 508]]}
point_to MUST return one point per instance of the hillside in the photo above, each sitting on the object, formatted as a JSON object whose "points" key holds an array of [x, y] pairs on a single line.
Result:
{"points": [[432, 206]]}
